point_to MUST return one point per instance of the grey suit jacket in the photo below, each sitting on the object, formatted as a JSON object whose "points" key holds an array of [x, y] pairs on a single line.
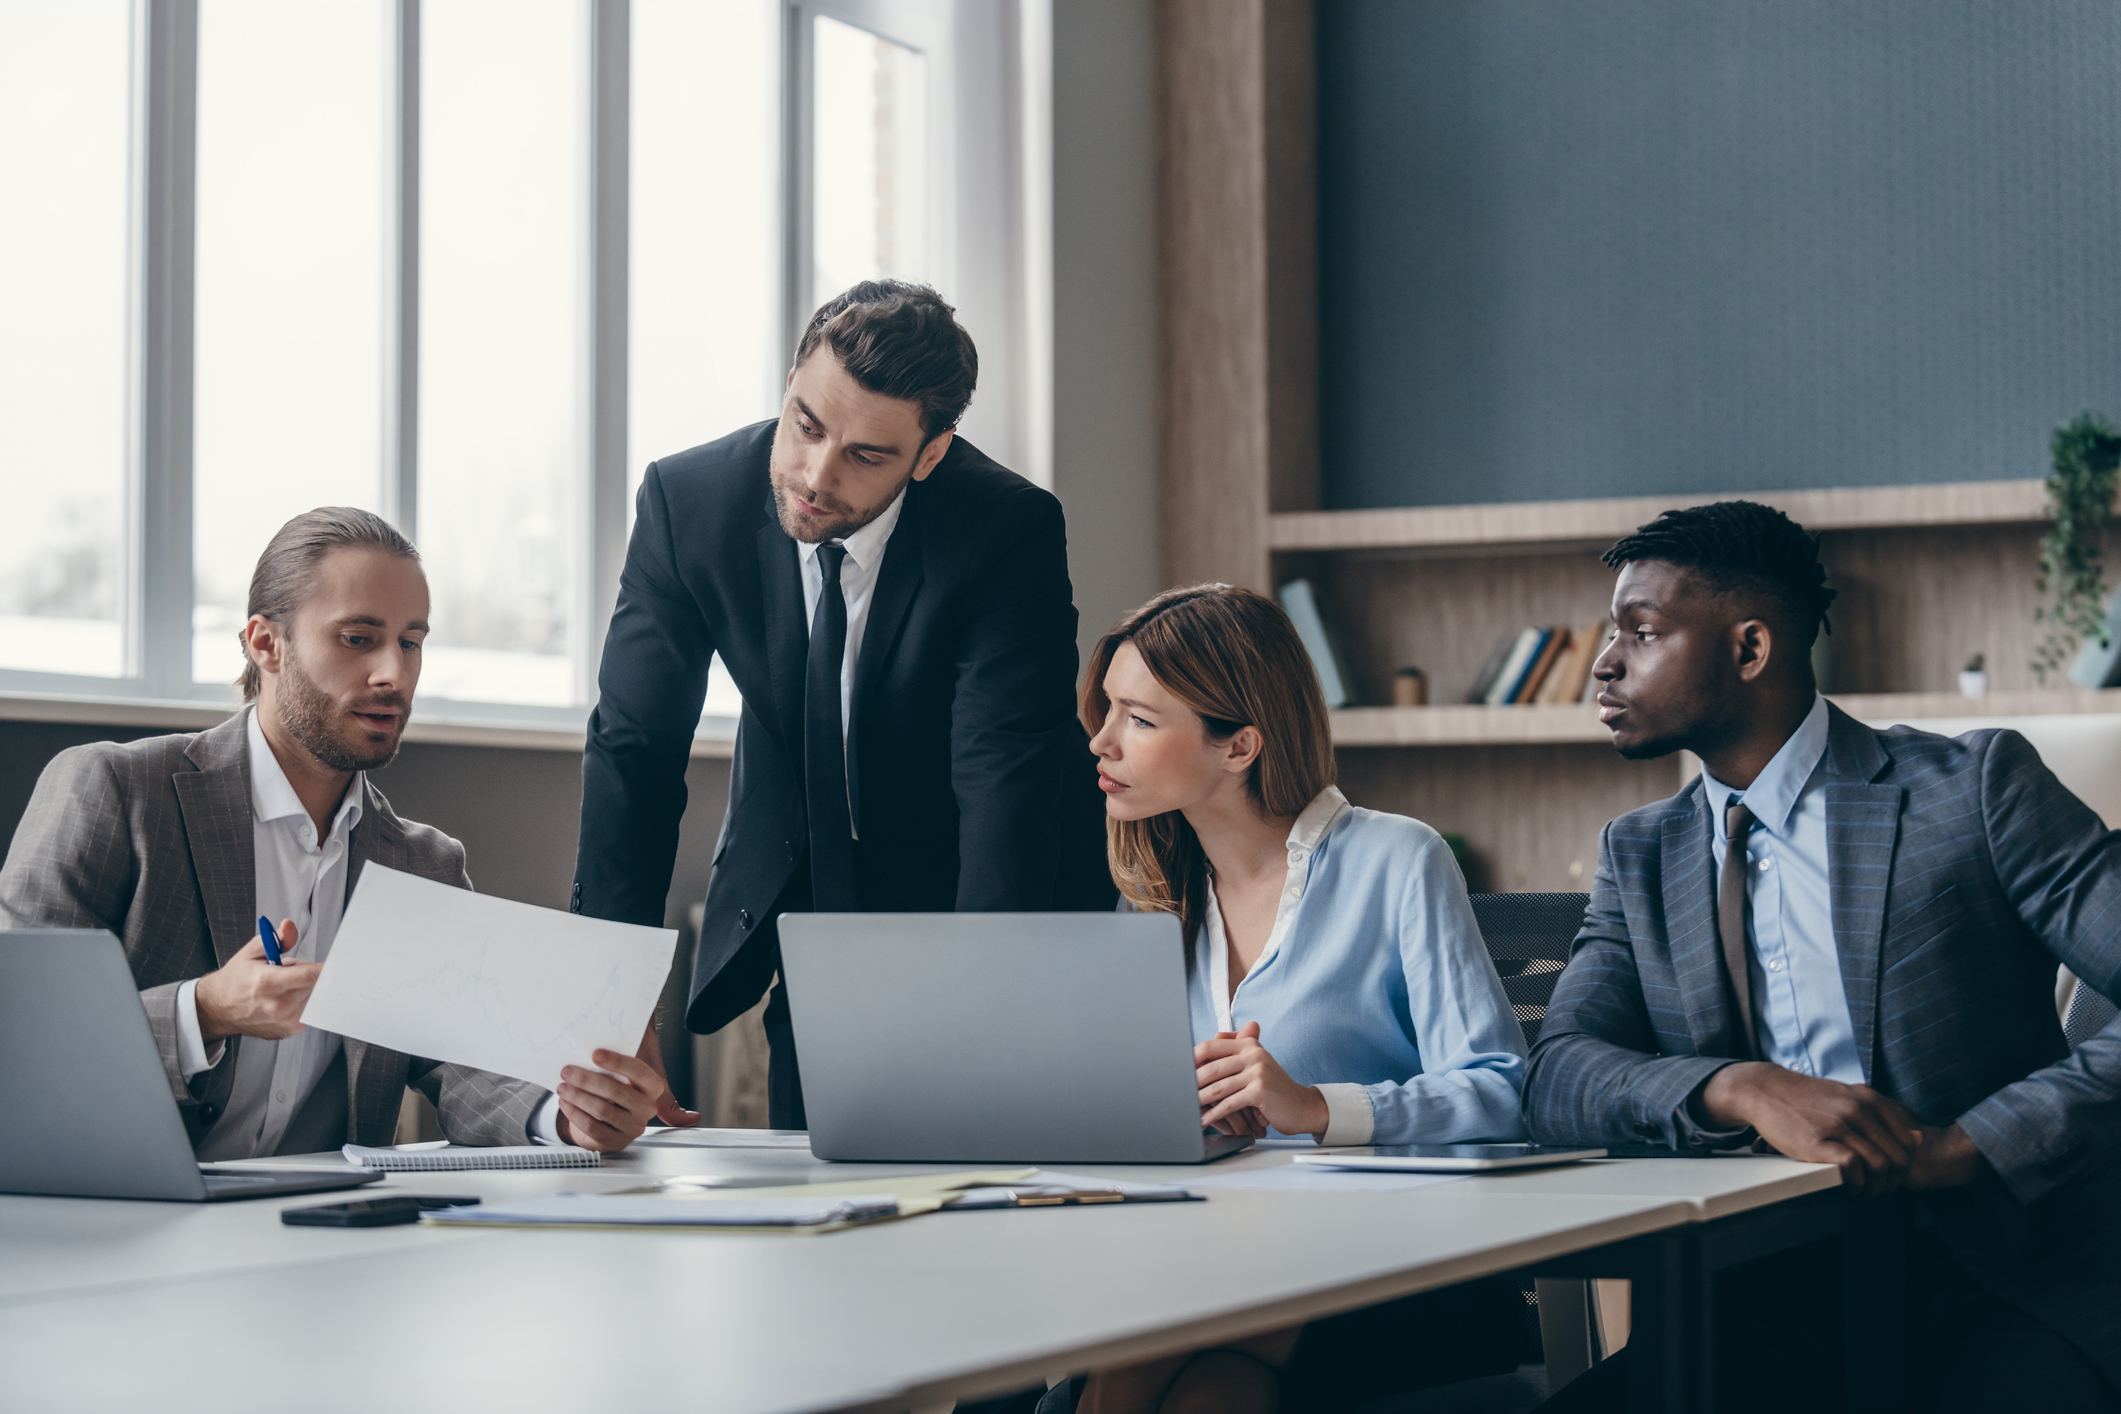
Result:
{"points": [[152, 840], [1960, 872]]}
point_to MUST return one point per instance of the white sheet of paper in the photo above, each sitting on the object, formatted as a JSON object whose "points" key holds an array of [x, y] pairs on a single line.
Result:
{"points": [[456, 976]]}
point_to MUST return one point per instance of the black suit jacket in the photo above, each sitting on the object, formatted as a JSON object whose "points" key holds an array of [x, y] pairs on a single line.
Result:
{"points": [[971, 784], [1960, 871]]}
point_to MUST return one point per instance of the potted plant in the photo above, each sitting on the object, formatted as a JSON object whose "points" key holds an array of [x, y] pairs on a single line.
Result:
{"points": [[2087, 456]]}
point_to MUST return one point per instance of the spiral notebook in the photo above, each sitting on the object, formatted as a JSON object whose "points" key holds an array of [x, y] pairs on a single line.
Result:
{"points": [[446, 1158]]}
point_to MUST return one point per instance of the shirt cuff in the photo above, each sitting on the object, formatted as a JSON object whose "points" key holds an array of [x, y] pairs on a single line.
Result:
{"points": [[192, 1055], [545, 1120], [1350, 1117]]}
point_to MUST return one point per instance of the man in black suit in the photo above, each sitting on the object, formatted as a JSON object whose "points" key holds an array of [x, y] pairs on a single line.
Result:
{"points": [[895, 609]]}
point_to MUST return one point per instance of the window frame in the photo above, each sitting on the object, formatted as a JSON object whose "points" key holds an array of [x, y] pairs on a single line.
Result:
{"points": [[157, 586]]}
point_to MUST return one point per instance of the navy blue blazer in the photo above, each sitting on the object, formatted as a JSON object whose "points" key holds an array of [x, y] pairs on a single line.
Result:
{"points": [[970, 782], [1961, 872]]}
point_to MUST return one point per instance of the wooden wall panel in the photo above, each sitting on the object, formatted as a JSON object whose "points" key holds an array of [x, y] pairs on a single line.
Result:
{"points": [[1530, 814], [1237, 277], [1916, 604]]}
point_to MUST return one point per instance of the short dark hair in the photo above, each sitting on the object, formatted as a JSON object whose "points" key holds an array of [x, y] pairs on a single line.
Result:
{"points": [[287, 571], [902, 341], [1739, 546]]}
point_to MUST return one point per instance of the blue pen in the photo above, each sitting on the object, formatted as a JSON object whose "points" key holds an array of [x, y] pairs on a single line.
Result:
{"points": [[267, 937]]}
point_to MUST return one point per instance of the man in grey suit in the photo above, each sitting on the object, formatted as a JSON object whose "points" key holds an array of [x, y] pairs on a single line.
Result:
{"points": [[1843, 942], [180, 844]]}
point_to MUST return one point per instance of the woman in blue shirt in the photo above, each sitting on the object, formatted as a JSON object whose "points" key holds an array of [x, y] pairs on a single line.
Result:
{"points": [[1338, 983]]}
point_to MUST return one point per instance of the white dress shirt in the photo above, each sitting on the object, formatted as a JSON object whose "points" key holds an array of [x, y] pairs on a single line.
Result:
{"points": [[302, 878], [858, 575]]}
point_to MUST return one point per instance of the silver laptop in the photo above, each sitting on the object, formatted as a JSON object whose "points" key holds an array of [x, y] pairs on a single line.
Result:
{"points": [[88, 1113], [996, 1038]]}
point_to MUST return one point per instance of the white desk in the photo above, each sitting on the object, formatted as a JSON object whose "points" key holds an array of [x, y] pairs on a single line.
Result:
{"points": [[133, 1305]]}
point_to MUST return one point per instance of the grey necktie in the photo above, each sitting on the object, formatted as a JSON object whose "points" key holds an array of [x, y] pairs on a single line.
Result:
{"points": [[1730, 920]]}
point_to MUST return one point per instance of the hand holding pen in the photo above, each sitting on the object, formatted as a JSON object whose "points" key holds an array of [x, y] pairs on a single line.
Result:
{"points": [[260, 991]]}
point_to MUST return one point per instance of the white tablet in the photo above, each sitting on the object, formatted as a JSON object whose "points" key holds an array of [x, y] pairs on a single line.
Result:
{"points": [[1449, 1158]]}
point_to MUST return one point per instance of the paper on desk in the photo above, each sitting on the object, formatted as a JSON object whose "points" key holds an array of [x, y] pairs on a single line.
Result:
{"points": [[701, 1138], [1303, 1178], [445, 973]]}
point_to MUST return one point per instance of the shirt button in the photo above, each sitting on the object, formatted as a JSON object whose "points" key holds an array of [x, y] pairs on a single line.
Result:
{"points": [[1296, 891], [1775, 966], [279, 1096], [1765, 863]]}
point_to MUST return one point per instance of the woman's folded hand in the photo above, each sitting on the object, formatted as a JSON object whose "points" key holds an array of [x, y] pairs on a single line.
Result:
{"points": [[1237, 1074]]}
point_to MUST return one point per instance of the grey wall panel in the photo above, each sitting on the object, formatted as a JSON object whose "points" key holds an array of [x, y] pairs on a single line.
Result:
{"points": [[1645, 246]]}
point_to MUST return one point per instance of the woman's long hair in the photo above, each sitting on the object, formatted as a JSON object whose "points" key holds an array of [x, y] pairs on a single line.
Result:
{"points": [[1233, 657]]}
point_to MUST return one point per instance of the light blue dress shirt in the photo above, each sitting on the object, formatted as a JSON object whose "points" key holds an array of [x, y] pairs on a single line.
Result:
{"points": [[1800, 1010], [1375, 986]]}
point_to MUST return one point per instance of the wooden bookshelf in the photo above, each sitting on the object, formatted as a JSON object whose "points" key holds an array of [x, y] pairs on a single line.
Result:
{"points": [[1465, 725], [1600, 522]]}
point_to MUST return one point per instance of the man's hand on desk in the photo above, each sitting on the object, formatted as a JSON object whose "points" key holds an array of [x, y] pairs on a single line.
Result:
{"points": [[608, 1111], [1948, 1160], [667, 1108], [251, 997], [1876, 1141]]}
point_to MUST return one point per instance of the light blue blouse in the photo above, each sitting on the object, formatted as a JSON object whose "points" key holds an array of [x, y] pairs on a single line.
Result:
{"points": [[1375, 986]]}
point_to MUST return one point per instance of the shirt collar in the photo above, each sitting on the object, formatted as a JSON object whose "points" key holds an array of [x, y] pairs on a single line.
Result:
{"points": [[272, 797], [1773, 794], [866, 546], [1317, 818]]}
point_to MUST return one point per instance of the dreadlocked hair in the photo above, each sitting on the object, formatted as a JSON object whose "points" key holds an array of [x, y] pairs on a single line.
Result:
{"points": [[1740, 546]]}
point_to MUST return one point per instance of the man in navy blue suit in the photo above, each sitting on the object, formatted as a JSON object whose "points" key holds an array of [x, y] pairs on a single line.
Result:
{"points": [[895, 609], [1843, 942]]}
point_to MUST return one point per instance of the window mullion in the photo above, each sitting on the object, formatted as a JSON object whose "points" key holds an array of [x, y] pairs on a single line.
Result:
{"points": [[610, 113], [164, 589], [400, 502]]}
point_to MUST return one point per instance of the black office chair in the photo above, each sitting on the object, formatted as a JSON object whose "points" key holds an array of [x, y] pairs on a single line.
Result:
{"points": [[2087, 1013], [1528, 936]]}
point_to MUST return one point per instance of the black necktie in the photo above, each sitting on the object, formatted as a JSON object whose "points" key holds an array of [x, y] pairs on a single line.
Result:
{"points": [[1730, 920], [825, 746]]}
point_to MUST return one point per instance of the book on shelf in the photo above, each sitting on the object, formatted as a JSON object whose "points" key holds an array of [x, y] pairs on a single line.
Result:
{"points": [[1491, 669], [1542, 666], [1301, 605], [1550, 651], [1514, 667], [1571, 673], [1556, 679]]}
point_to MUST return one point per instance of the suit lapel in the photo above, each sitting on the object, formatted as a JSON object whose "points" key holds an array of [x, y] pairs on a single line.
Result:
{"points": [[1862, 831], [215, 804], [1687, 865], [897, 581], [787, 636]]}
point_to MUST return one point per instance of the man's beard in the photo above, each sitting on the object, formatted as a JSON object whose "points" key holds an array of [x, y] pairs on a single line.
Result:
{"points": [[309, 714], [810, 531]]}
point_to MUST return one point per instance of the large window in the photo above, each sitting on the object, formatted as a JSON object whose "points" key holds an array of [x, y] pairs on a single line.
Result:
{"points": [[472, 264], [67, 163]]}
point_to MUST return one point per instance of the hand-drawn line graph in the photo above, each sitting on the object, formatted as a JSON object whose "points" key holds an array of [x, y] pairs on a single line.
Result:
{"points": [[444, 973]]}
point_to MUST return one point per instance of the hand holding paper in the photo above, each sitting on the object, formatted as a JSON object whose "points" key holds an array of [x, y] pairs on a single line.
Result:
{"points": [[456, 976]]}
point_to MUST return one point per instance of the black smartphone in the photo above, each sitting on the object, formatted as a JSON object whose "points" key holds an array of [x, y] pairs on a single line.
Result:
{"points": [[371, 1212]]}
